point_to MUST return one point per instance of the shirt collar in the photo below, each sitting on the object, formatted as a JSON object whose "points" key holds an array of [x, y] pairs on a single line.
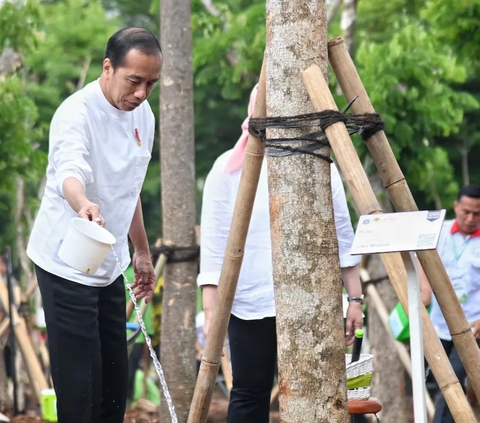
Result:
{"points": [[456, 229]]}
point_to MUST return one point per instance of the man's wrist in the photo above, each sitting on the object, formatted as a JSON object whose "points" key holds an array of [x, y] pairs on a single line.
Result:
{"points": [[355, 299], [142, 252]]}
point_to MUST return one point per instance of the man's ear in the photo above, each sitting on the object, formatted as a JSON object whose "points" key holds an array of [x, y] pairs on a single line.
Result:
{"points": [[107, 67]]}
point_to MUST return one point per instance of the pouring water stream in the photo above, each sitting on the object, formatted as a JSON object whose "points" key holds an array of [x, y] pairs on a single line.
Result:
{"points": [[156, 362]]}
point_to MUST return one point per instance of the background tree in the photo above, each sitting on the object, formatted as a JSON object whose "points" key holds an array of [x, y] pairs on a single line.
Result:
{"points": [[178, 200]]}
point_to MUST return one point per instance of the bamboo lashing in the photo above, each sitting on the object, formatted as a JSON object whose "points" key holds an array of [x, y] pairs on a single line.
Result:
{"points": [[367, 203], [211, 358], [401, 350], [402, 199]]}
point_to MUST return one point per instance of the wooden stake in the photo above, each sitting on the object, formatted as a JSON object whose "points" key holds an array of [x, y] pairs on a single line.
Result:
{"points": [[402, 352], [211, 358], [365, 199], [34, 369], [402, 199]]}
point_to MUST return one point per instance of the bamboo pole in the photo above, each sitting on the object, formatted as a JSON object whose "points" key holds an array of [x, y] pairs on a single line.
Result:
{"points": [[211, 358], [34, 369], [367, 203], [402, 352], [402, 199]]}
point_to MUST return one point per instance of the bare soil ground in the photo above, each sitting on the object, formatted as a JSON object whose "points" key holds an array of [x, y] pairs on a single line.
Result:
{"points": [[144, 413]]}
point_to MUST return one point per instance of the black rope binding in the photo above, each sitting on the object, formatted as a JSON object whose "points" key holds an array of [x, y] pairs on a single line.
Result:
{"points": [[365, 125], [176, 254]]}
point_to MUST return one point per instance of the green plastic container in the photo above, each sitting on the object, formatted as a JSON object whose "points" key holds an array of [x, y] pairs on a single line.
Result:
{"points": [[49, 405], [399, 324]]}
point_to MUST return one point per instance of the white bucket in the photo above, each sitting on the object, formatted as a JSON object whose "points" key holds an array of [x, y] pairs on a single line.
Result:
{"points": [[85, 246]]}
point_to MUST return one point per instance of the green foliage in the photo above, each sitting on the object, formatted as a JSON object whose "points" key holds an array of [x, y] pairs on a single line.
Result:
{"points": [[434, 176], [19, 154], [17, 25], [455, 22], [410, 81], [73, 37], [418, 61], [230, 49]]}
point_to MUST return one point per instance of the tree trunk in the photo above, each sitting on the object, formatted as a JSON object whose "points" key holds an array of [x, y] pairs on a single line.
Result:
{"points": [[178, 203], [391, 383], [6, 403], [464, 150], [348, 24], [19, 214], [10, 61], [306, 269]]}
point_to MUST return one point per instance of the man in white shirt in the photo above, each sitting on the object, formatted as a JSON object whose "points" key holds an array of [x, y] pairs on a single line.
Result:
{"points": [[100, 145], [252, 333], [459, 249]]}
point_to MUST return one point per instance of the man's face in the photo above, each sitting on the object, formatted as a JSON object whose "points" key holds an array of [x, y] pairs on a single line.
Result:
{"points": [[129, 85], [467, 211]]}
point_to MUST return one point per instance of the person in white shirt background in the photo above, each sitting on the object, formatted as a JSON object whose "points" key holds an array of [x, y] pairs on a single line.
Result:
{"points": [[100, 144], [459, 250], [252, 333]]}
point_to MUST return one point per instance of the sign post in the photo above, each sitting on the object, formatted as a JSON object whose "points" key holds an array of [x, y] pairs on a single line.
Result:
{"points": [[404, 233]]}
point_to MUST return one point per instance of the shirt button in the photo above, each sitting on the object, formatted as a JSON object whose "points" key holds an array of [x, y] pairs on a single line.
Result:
{"points": [[133, 191]]}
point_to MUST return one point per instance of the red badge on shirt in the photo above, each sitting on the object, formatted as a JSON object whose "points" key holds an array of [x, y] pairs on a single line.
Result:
{"points": [[137, 136]]}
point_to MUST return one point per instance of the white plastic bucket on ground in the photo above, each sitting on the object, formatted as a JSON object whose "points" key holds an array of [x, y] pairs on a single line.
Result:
{"points": [[85, 246]]}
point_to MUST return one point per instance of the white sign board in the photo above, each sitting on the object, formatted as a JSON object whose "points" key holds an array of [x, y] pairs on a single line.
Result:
{"points": [[394, 232]]}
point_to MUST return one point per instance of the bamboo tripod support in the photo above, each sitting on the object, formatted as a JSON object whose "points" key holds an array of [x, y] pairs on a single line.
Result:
{"points": [[402, 199], [367, 203], [211, 358], [34, 369]]}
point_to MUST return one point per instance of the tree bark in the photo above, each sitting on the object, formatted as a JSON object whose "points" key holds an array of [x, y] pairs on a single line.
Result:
{"points": [[178, 202], [10, 61], [6, 403], [348, 23], [306, 269], [391, 383], [464, 150], [19, 213], [332, 9]]}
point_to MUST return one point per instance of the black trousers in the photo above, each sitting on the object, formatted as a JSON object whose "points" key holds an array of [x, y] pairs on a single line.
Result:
{"points": [[442, 412], [86, 330], [253, 349]]}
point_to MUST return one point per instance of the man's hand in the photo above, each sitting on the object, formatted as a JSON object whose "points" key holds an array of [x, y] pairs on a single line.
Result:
{"points": [[354, 321], [144, 284], [78, 201], [91, 211], [476, 329]]}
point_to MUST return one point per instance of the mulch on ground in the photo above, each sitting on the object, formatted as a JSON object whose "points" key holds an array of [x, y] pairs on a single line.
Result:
{"points": [[144, 413]]}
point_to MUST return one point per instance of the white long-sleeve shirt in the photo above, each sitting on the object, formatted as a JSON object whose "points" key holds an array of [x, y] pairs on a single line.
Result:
{"points": [[97, 144], [461, 258], [254, 298]]}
